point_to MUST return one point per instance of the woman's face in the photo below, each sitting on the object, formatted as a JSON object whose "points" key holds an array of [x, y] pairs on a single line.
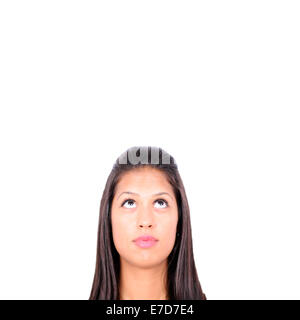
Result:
{"points": [[143, 212]]}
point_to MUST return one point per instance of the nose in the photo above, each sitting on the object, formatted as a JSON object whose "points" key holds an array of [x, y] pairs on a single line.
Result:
{"points": [[145, 226], [145, 219]]}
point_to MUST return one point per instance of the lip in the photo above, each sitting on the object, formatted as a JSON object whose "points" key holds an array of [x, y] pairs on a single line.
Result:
{"points": [[145, 241]]}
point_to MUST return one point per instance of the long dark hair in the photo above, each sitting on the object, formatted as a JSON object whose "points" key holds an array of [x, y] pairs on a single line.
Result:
{"points": [[182, 277]]}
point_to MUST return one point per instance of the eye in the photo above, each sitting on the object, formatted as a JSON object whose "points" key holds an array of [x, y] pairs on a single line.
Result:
{"points": [[129, 201], [162, 202]]}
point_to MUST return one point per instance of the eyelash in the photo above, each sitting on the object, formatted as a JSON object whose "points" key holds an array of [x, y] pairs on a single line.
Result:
{"points": [[165, 201]]}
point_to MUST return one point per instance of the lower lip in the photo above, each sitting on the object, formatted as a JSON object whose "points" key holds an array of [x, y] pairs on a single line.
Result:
{"points": [[145, 244]]}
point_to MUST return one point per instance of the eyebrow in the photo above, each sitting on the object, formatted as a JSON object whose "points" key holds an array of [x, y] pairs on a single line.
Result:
{"points": [[156, 194]]}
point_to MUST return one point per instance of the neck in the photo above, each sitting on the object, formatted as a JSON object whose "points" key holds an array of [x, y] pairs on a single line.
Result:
{"points": [[138, 283]]}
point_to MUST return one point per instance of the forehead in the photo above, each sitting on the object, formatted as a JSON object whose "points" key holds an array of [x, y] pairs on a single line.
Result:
{"points": [[145, 180]]}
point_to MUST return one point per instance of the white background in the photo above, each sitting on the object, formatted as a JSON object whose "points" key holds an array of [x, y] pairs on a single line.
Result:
{"points": [[214, 83]]}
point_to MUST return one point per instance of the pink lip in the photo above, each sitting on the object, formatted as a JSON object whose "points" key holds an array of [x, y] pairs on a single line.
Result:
{"points": [[145, 241]]}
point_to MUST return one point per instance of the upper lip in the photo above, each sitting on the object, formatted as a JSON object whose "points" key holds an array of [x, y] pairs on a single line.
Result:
{"points": [[146, 238]]}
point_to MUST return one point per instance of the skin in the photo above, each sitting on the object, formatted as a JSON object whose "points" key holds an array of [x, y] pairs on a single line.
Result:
{"points": [[143, 271]]}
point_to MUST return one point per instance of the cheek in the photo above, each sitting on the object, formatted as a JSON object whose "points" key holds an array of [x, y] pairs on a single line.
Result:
{"points": [[168, 235], [120, 232]]}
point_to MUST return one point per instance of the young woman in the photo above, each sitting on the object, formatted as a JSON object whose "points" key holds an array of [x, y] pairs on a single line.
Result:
{"points": [[144, 244]]}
